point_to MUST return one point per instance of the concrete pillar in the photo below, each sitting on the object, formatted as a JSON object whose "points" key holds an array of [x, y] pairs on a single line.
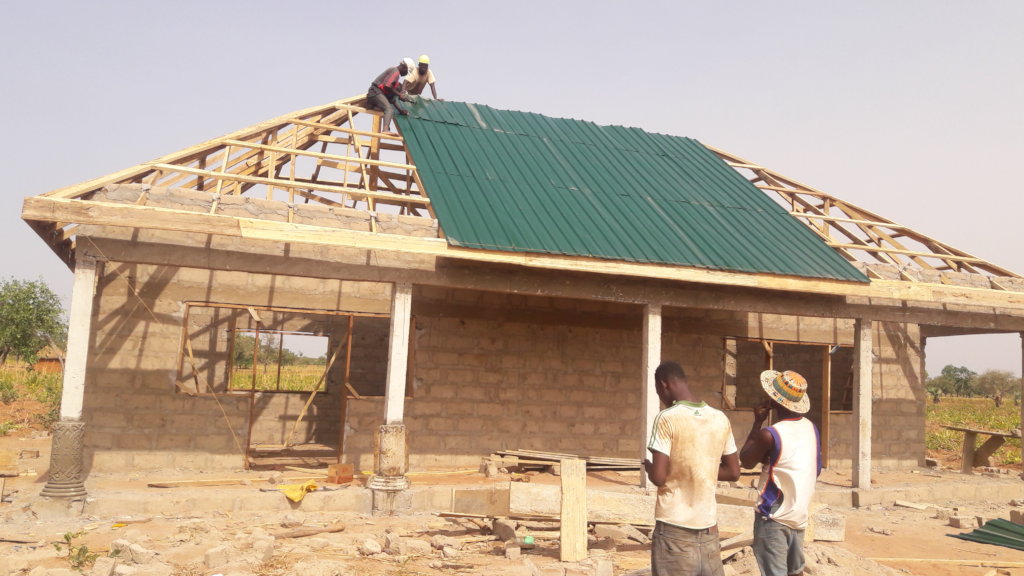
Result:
{"points": [[390, 454], [862, 394], [390, 463], [649, 402], [398, 353], [65, 478]]}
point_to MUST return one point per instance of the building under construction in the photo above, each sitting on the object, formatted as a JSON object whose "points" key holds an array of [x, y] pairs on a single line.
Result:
{"points": [[487, 280]]}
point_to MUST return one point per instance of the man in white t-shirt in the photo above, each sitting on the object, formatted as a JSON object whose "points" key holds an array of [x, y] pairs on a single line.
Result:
{"points": [[418, 78], [789, 452], [692, 448]]}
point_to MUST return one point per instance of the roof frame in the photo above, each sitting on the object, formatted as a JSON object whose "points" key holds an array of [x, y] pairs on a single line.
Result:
{"points": [[333, 154], [861, 235]]}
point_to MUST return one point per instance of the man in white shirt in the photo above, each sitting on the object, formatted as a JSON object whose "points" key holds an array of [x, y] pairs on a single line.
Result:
{"points": [[419, 77], [789, 452], [692, 448]]}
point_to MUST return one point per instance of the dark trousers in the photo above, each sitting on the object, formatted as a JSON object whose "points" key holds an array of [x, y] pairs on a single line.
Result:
{"points": [[677, 551], [382, 103]]}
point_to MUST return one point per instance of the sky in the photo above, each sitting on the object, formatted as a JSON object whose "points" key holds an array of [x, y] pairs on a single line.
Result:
{"points": [[910, 109]]}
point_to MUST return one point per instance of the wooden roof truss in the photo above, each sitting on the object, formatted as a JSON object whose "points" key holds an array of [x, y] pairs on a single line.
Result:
{"points": [[333, 155], [860, 235], [336, 155]]}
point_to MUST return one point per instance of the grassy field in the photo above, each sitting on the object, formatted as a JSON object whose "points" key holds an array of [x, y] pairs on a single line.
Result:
{"points": [[293, 378], [979, 413], [28, 400]]}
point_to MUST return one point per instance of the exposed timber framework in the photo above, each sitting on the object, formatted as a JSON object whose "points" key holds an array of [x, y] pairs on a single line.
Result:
{"points": [[861, 235]]}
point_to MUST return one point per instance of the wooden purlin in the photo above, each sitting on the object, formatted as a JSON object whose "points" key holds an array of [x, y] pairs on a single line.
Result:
{"points": [[864, 231]]}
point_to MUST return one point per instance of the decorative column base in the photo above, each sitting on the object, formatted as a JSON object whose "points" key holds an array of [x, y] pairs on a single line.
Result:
{"points": [[65, 479], [390, 463]]}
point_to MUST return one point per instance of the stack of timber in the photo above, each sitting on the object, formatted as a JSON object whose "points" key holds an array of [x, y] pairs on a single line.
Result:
{"points": [[533, 459]]}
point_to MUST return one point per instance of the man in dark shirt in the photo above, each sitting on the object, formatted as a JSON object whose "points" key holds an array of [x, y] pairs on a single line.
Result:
{"points": [[386, 90]]}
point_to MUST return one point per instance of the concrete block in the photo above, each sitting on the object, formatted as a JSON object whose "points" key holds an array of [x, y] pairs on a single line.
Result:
{"points": [[610, 531], [966, 522], [104, 566], [1017, 516], [217, 556]]}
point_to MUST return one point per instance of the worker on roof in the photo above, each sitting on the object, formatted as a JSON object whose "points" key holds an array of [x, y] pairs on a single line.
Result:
{"points": [[419, 77], [385, 92]]}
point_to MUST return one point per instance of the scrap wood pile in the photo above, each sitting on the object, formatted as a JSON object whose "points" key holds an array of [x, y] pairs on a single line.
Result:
{"points": [[535, 460]]}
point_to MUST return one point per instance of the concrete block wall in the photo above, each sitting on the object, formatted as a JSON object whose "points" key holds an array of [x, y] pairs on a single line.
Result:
{"points": [[492, 371], [497, 371], [136, 416]]}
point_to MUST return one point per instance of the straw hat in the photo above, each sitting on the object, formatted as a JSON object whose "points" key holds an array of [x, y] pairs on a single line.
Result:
{"points": [[788, 389]]}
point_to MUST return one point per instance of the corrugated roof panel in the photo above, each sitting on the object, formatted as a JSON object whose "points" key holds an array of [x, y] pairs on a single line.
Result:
{"points": [[522, 182]]}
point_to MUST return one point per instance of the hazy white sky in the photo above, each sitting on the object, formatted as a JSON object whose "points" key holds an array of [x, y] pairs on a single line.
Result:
{"points": [[911, 109]]}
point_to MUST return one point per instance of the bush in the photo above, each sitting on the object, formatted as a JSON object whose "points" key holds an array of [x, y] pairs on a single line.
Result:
{"points": [[8, 393]]}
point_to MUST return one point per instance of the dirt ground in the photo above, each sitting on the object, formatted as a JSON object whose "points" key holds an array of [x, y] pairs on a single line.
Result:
{"points": [[215, 541]]}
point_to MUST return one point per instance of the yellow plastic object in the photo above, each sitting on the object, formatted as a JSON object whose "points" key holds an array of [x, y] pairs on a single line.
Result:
{"points": [[296, 492], [424, 59]]}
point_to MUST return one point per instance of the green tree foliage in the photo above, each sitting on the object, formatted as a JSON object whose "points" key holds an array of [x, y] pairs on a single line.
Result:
{"points": [[992, 382], [31, 317], [962, 379], [954, 381]]}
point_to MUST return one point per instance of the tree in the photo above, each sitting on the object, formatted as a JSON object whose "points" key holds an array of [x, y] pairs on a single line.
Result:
{"points": [[961, 379], [31, 317], [992, 382]]}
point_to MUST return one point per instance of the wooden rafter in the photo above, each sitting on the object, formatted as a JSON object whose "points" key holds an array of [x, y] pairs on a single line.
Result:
{"points": [[333, 155], [858, 234]]}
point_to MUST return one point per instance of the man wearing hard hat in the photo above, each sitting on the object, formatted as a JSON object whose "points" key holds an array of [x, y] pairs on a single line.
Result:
{"points": [[386, 90], [419, 77]]}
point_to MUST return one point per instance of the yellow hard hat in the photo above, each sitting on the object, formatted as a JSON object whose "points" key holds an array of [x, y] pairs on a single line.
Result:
{"points": [[424, 59]]}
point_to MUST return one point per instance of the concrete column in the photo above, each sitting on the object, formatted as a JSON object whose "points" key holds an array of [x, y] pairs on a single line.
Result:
{"points": [[398, 353], [390, 463], [65, 478], [862, 393], [649, 402]]}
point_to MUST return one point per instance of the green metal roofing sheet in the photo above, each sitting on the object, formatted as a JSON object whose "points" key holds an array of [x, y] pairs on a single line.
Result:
{"points": [[522, 182]]}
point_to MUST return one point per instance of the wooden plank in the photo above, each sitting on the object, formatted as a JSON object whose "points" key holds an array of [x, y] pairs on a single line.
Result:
{"points": [[304, 531], [573, 535], [226, 482], [487, 503], [967, 453], [602, 506]]}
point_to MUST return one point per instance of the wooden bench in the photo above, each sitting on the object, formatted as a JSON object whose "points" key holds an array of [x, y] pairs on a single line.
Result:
{"points": [[980, 455]]}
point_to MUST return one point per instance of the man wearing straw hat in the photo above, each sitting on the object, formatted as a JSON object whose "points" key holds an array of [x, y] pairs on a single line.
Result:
{"points": [[789, 452]]}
